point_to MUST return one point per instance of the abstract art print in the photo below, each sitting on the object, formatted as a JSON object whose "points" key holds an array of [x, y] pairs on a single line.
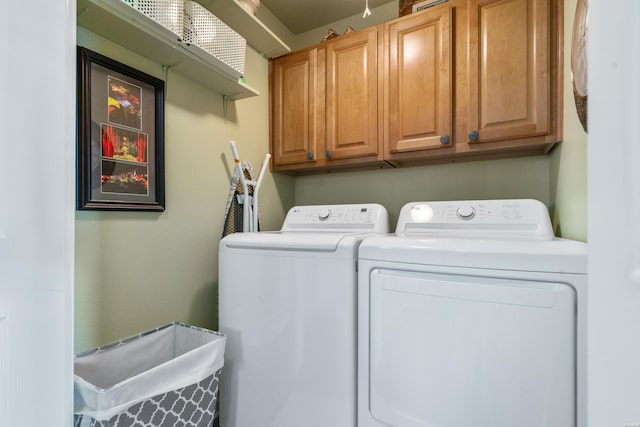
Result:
{"points": [[120, 136]]}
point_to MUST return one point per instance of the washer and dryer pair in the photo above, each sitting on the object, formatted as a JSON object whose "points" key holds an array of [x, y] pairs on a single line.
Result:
{"points": [[471, 314]]}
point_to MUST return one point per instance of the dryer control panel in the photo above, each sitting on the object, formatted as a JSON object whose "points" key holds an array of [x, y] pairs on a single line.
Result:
{"points": [[517, 218], [368, 217]]}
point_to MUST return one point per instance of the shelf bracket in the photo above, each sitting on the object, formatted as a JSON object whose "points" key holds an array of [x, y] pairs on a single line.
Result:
{"points": [[225, 107], [165, 76]]}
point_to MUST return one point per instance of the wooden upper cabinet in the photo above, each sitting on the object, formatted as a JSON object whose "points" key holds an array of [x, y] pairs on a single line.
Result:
{"points": [[511, 71], [353, 84], [296, 95], [462, 80], [419, 83]]}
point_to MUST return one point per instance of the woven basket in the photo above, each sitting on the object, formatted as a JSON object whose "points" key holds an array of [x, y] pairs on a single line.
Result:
{"points": [[168, 13], [205, 30]]}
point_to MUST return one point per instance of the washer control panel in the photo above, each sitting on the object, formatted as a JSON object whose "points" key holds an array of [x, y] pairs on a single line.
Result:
{"points": [[330, 218], [517, 217]]}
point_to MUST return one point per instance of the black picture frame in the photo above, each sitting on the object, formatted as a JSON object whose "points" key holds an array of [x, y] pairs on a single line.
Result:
{"points": [[120, 136]]}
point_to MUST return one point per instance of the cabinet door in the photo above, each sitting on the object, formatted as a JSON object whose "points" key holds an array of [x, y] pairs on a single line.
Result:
{"points": [[295, 94], [419, 82], [510, 69], [352, 80]]}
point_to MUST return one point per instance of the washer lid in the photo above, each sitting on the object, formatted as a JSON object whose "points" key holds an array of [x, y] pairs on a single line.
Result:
{"points": [[298, 242], [554, 256]]}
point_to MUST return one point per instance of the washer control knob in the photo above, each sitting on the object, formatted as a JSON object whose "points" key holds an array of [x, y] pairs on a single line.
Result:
{"points": [[324, 214], [466, 212]]}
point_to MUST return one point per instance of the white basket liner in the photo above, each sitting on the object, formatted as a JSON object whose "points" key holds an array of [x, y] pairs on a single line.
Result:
{"points": [[111, 379]]}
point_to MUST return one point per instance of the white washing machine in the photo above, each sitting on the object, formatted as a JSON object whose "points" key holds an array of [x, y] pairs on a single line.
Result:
{"points": [[473, 314], [287, 302]]}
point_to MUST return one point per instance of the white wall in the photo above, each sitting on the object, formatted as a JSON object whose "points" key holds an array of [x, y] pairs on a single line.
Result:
{"points": [[614, 208]]}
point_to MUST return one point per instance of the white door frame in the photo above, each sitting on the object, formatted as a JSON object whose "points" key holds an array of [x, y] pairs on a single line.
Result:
{"points": [[37, 215]]}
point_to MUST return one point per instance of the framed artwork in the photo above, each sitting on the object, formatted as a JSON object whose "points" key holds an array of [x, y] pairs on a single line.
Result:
{"points": [[120, 136]]}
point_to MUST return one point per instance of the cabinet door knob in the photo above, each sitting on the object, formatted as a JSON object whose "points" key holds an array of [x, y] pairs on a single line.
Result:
{"points": [[328, 154], [309, 155], [474, 135], [444, 139]]}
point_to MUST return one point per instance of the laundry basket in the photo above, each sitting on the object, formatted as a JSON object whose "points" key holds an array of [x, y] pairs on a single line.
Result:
{"points": [[162, 378], [205, 30], [168, 13]]}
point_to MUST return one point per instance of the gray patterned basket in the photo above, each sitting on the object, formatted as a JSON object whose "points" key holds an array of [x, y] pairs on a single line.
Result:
{"points": [[191, 406], [167, 377]]}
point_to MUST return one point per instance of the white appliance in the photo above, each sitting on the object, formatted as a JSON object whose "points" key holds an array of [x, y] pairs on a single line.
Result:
{"points": [[473, 314], [287, 302]]}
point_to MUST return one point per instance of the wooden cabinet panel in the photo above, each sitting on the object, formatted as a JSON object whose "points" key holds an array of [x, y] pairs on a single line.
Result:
{"points": [[418, 83], [296, 92], [352, 86], [463, 80], [509, 69]]}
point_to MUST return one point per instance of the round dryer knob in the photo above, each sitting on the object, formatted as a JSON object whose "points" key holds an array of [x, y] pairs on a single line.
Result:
{"points": [[324, 214], [466, 212]]}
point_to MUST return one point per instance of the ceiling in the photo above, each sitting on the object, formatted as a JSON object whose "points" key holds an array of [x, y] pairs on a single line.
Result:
{"points": [[304, 15]]}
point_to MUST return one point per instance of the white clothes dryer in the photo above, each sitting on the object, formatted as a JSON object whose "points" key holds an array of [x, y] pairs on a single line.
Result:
{"points": [[287, 303], [473, 314]]}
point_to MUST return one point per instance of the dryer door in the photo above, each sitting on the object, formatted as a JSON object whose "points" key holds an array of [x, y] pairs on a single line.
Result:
{"points": [[456, 350]]}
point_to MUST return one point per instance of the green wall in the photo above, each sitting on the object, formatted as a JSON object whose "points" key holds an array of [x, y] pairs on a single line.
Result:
{"points": [[569, 159], [137, 270], [558, 179], [508, 178], [380, 14]]}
